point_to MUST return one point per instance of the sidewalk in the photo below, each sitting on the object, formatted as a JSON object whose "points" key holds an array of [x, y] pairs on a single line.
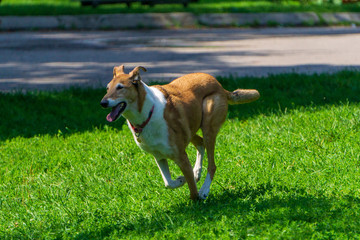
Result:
{"points": [[57, 59], [175, 20]]}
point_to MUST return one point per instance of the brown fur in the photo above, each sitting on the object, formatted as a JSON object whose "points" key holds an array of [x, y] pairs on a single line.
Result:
{"points": [[194, 101], [135, 91]]}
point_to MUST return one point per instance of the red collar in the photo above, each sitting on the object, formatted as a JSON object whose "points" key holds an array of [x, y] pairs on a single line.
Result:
{"points": [[140, 128]]}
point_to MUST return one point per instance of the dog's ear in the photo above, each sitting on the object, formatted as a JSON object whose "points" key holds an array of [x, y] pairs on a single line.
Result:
{"points": [[118, 70], [135, 74]]}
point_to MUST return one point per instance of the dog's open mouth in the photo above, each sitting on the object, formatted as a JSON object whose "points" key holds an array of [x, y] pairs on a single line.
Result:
{"points": [[116, 112]]}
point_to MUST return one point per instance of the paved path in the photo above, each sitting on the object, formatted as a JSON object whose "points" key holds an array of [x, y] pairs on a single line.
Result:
{"points": [[43, 60]]}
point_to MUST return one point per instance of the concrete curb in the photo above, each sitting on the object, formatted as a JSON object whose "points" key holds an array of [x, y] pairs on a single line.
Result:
{"points": [[170, 20], [261, 19]]}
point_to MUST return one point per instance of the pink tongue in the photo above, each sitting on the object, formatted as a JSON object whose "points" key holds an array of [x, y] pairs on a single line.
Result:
{"points": [[112, 116]]}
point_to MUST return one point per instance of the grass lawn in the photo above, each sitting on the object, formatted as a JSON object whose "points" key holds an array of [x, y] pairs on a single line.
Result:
{"points": [[70, 7], [288, 168]]}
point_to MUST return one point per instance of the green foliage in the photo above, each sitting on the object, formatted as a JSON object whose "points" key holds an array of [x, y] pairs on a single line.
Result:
{"points": [[72, 7], [288, 167]]}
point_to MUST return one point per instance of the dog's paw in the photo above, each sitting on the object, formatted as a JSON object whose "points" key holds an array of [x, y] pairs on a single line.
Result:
{"points": [[180, 181], [197, 175], [203, 194]]}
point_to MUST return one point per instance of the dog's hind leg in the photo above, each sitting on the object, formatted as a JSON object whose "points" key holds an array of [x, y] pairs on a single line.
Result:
{"points": [[165, 173], [214, 114], [199, 144]]}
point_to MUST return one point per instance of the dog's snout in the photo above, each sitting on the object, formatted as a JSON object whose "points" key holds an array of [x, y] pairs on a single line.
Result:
{"points": [[104, 103]]}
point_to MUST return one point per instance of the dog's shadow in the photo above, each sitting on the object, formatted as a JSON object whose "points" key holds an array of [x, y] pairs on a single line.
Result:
{"points": [[241, 211]]}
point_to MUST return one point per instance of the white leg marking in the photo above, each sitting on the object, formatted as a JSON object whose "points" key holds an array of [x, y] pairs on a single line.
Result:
{"points": [[165, 173], [199, 161], [205, 189]]}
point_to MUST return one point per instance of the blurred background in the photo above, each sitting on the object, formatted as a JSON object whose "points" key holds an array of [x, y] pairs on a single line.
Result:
{"points": [[70, 7]]}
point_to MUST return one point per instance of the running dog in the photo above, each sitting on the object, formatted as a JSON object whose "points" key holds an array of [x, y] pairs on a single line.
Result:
{"points": [[165, 119]]}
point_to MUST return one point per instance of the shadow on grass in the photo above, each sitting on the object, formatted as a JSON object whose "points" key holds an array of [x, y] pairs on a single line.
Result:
{"points": [[54, 113], [245, 211], [77, 110], [280, 93]]}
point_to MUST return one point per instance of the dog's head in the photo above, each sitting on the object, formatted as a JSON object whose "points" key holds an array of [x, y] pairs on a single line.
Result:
{"points": [[122, 90]]}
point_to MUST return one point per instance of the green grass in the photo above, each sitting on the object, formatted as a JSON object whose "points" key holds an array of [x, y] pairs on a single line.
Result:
{"points": [[288, 168], [69, 7]]}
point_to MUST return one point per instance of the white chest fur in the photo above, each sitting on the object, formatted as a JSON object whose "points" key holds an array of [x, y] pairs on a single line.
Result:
{"points": [[154, 137]]}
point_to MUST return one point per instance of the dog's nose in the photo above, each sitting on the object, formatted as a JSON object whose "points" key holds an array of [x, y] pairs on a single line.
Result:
{"points": [[104, 103]]}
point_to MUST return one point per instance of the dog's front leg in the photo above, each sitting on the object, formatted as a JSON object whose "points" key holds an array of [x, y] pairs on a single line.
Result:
{"points": [[165, 173], [185, 166]]}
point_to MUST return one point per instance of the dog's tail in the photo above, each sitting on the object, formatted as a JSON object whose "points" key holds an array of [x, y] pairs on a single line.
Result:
{"points": [[240, 96]]}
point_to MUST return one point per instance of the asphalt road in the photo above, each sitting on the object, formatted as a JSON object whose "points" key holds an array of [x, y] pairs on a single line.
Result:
{"points": [[44, 60]]}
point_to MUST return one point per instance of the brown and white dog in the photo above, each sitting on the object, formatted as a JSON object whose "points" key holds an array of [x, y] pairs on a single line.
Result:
{"points": [[165, 119]]}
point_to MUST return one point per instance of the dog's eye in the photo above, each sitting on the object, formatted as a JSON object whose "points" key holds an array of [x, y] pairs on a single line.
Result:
{"points": [[118, 87]]}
